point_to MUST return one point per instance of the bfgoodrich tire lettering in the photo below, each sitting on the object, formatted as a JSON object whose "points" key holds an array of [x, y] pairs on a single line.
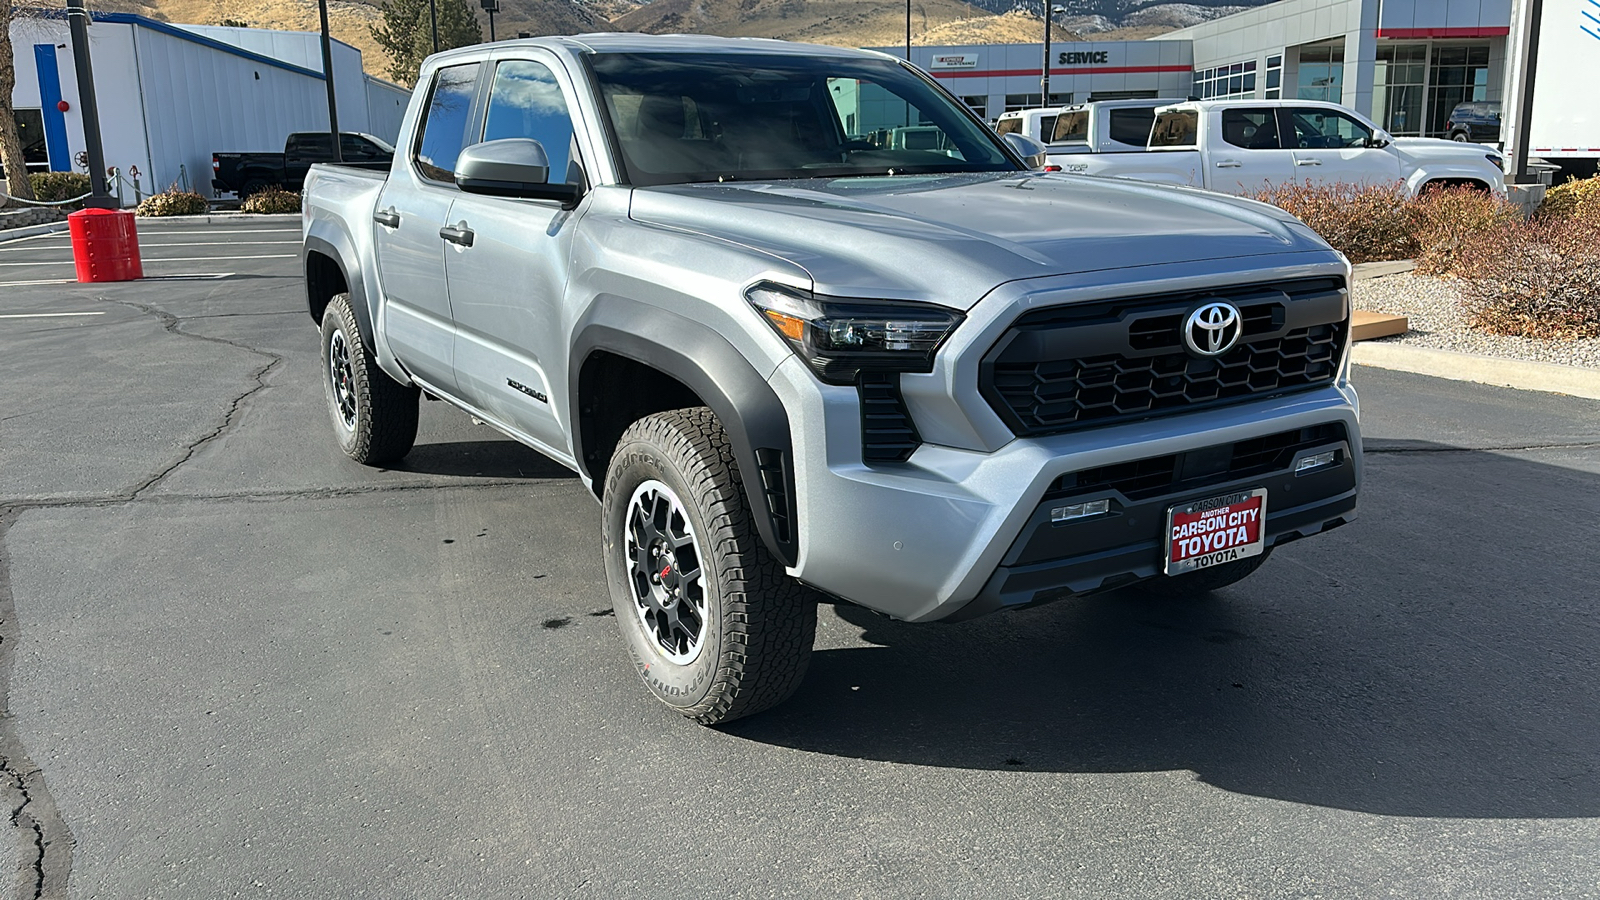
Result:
{"points": [[741, 640], [374, 416]]}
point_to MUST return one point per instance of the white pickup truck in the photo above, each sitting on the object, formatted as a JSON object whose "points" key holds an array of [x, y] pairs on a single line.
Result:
{"points": [[1105, 126], [1243, 146]]}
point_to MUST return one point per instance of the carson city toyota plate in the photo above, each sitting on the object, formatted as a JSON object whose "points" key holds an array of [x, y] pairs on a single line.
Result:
{"points": [[1219, 530]]}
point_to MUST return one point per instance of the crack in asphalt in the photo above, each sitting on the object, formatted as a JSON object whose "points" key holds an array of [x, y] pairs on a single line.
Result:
{"points": [[47, 842], [173, 324]]}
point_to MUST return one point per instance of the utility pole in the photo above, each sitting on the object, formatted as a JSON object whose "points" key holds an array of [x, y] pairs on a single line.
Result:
{"points": [[908, 30], [78, 21], [1044, 72], [327, 76], [491, 7], [433, 21]]}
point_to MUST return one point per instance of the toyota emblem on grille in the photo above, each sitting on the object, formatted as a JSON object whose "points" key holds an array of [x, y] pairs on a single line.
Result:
{"points": [[1213, 329]]}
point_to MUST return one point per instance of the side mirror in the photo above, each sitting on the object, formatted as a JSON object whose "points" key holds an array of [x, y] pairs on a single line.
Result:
{"points": [[1380, 139], [511, 167], [1032, 152]]}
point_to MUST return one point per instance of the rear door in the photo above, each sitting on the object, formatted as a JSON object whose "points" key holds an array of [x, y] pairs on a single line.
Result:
{"points": [[1330, 147], [412, 209], [1246, 152], [507, 284]]}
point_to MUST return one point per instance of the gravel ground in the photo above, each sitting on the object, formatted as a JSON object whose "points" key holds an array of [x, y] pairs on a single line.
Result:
{"points": [[1437, 320]]}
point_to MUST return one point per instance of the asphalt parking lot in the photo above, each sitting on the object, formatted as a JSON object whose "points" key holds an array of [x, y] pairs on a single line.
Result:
{"points": [[237, 664]]}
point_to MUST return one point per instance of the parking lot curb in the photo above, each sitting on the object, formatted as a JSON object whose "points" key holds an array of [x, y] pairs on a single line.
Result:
{"points": [[1513, 373], [216, 217], [10, 234], [1364, 271]]}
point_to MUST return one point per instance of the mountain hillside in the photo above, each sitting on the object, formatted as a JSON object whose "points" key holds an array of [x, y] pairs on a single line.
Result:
{"points": [[853, 23]]}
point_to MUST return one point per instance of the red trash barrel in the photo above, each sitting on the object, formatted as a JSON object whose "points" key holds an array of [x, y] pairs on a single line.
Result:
{"points": [[105, 245]]}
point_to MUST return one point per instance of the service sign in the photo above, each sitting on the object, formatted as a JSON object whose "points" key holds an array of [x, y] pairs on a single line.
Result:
{"points": [[1207, 533], [954, 61]]}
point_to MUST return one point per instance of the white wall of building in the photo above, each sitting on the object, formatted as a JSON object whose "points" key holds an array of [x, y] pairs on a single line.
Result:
{"points": [[1089, 68], [386, 107], [304, 49]]}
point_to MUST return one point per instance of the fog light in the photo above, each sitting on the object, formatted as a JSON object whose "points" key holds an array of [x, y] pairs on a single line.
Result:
{"points": [[1080, 510], [1307, 463]]}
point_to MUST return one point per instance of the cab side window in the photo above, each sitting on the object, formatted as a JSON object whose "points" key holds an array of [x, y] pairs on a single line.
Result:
{"points": [[526, 102], [444, 125], [1252, 129], [1324, 129]]}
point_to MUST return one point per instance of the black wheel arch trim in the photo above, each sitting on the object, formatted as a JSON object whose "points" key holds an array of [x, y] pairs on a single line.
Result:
{"points": [[719, 374], [354, 285]]}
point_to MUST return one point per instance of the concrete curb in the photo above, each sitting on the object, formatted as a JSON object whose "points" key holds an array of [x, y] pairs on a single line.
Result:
{"points": [[217, 217], [10, 234], [1364, 271], [1513, 373]]}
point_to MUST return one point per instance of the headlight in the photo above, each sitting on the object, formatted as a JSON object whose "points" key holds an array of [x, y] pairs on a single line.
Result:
{"points": [[1498, 162], [841, 338]]}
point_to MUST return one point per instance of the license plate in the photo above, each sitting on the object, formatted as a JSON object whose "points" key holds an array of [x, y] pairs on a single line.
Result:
{"points": [[1210, 532]]}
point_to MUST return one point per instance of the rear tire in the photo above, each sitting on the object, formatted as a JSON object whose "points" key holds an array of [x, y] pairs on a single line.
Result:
{"points": [[251, 187], [714, 627], [374, 416]]}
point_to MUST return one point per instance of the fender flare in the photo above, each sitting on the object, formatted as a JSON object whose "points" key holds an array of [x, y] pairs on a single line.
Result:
{"points": [[322, 241], [722, 378]]}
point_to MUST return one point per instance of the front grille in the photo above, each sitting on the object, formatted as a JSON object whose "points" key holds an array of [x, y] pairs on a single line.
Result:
{"points": [[1070, 367], [887, 432], [1157, 475]]}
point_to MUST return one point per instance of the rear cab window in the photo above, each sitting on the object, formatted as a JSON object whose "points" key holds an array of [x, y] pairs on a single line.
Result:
{"points": [[1074, 126], [443, 134], [1176, 128], [1012, 125]]}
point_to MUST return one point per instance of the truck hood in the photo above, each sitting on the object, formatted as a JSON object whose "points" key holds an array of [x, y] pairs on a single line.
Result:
{"points": [[1436, 150], [951, 239]]}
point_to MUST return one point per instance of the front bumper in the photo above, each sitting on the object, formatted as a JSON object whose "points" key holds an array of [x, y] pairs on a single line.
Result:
{"points": [[956, 530], [921, 540]]}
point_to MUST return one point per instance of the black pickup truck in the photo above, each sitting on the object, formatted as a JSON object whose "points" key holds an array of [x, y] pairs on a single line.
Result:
{"points": [[246, 173]]}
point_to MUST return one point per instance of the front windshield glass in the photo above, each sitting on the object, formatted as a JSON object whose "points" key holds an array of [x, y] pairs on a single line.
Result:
{"points": [[684, 118]]}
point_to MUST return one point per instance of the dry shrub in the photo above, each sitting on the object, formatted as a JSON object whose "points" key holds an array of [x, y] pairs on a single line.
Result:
{"points": [[51, 187], [272, 200], [1447, 222], [1576, 197], [173, 202], [1537, 279], [1367, 223]]}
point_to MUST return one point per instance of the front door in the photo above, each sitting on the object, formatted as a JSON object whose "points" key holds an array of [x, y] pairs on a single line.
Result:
{"points": [[414, 205], [1250, 157], [1331, 147], [507, 284]]}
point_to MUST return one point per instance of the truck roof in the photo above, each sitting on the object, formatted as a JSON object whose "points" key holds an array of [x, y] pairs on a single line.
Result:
{"points": [[631, 42]]}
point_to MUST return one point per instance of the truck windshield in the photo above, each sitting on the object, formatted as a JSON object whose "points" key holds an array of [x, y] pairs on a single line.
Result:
{"points": [[684, 118]]}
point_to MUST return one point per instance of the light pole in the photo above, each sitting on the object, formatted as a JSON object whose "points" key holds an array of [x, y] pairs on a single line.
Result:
{"points": [[908, 30], [327, 75], [433, 21], [78, 23], [491, 7], [1044, 73]]}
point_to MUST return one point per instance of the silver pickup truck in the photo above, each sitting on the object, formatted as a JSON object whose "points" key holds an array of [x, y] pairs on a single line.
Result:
{"points": [[795, 358]]}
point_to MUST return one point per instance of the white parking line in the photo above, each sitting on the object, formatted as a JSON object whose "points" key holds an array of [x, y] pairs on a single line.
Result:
{"points": [[45, 281], [161, 259], [144, 244], [49, 315]]}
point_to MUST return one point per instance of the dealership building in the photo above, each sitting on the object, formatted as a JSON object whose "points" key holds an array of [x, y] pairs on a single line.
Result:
{"points": [[1403, 63], [171, 95]]}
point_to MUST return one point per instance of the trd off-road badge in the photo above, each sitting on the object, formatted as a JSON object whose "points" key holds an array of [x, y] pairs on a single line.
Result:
{"points": [[1213, 329]]}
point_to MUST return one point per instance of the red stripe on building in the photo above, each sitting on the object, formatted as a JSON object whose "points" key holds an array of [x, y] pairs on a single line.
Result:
{"points": [[1090, 70], [1412, 33]]}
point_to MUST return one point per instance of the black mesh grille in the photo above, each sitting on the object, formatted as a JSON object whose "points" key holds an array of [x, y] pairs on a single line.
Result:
{"points": [[1071, 367], [887, 433], [1157, 475]]}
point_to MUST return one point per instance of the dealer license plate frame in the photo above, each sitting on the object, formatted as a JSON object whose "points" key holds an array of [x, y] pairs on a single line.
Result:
{"points": [[1254, 548]]}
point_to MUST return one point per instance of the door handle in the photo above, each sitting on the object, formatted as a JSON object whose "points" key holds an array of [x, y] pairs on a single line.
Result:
{"points": [[388, 218], [1229, 164], [1308, 162], [460, 235]]}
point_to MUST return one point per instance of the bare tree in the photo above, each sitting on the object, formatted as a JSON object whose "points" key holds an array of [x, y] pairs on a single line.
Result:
{"points": [[10, 142]]}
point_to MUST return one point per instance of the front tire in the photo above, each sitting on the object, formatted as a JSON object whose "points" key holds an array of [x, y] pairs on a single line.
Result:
{"points": [[714, 627], [374, 416]]}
